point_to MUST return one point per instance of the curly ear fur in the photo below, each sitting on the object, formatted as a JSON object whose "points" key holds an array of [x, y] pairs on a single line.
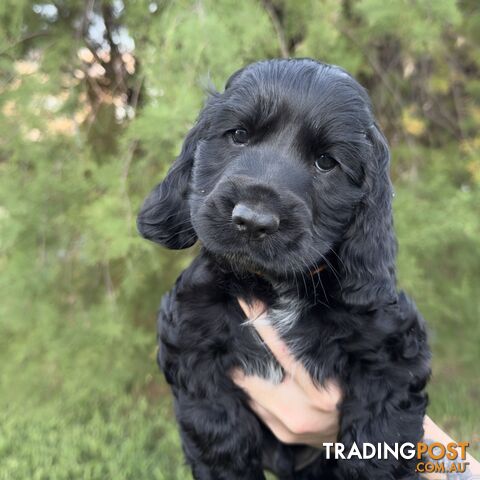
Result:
{"points": [[368, 252], [165, 215]]}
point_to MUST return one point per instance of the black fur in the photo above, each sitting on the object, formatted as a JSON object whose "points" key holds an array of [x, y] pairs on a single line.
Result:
{"points": [[351, 324]]}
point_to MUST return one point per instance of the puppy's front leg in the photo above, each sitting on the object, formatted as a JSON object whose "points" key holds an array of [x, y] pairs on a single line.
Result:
{"points": [[391, 418], [221, 438]]}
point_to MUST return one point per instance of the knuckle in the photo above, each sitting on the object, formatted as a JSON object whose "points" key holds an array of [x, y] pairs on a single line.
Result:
{"points": [[328, 401], [298, 425], [328, 405], [285, 437]]}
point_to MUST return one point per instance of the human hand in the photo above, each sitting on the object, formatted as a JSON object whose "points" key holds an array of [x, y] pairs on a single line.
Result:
{"points": [[296, 410], [433, 433], [299, 412]]}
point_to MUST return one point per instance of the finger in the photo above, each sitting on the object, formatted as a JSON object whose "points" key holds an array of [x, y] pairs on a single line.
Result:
{"points": [[327, 397], [309, 426], [324, 398], [276, 399], [275, 425], [257, 388], [267, 417], [274, 343], [285, 435], [252, 310], [293, 368], [255, 311], [273, 405]]}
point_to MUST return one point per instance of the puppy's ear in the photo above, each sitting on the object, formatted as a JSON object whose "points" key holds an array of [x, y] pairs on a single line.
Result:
{"points": [[165, 215], [368, 252]]}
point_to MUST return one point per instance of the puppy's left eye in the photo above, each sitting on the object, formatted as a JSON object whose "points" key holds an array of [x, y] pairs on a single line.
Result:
{"points": [[325, 163], [239, 136]]}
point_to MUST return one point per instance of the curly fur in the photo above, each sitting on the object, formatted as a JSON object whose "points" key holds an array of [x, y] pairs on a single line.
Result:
{"points": [[346, 322]]}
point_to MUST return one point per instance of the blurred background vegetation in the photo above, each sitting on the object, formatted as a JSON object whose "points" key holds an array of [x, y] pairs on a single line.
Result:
{"points": [[95, 97]]}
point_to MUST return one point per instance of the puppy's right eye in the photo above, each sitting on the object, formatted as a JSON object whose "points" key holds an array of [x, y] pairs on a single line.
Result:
{"points": [[239, 136], [325, 163]]}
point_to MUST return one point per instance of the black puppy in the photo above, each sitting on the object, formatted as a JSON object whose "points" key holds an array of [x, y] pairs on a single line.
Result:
{"points": [[284, 179]]}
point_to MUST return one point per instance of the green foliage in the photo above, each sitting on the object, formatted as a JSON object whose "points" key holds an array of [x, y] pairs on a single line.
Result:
{"points": [[418, 25], [95, 98], [438, 227]]}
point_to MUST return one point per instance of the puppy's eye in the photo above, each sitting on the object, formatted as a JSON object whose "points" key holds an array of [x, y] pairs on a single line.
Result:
{"points": [[325, 163], [239, 136]]}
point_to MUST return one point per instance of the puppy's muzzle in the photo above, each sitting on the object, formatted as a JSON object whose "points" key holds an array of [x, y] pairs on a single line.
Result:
{"points": [[256, 218]]}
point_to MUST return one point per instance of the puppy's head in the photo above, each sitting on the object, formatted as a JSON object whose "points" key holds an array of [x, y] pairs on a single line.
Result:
{"points": [[283, 171]]}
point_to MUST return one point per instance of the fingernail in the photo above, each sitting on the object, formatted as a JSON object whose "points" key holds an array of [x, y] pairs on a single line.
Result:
{"points": [[237, 375]]}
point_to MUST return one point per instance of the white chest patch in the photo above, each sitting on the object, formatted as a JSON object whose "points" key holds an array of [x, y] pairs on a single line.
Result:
{"points": [[282, 317], [285, 313]]}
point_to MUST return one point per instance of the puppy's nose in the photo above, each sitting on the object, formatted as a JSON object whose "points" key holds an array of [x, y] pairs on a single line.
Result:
{"points": [[255, 221]]}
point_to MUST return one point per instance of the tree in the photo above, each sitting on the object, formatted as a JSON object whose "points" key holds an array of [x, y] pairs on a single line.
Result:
{"points": [[95, 98]]}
